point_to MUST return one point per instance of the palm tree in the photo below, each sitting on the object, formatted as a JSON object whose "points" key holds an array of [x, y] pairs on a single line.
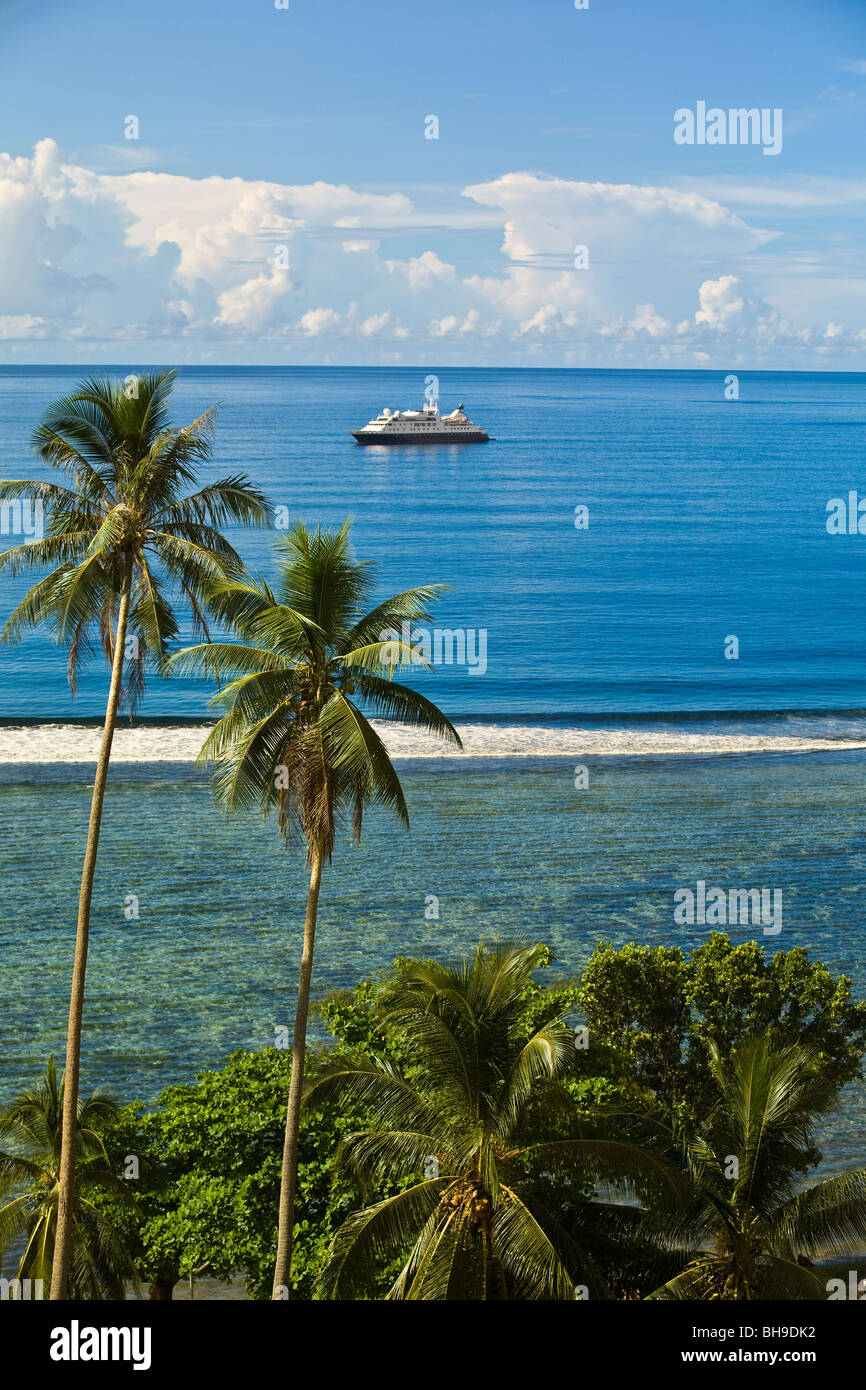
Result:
{"points": [[752, 1228], [99, 1260], [457, 1133], [126, 508], [294, 739]]}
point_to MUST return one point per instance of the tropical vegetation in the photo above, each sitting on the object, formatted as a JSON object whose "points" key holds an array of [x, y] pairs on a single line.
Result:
{"points": [[309, 664], [630, 1199], [480, 1108], [100, 1263], [123, 541], [754, 1231]]}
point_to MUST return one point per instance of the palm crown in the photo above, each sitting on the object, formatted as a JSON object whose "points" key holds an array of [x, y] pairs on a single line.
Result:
{"points": [[294, 735], [470, 1112], [30, 1132], [127, 522], [756, 1228]]}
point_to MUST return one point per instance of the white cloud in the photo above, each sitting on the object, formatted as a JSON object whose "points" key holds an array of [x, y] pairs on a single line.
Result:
{"points": [[315, 322], [720, 302], [266, 269], [424, 271], [375, 323], [646, 320], [252, 305], [470, 324], [441, 328], [21, 326], [215, 220], [634, 234], [544, 320]]}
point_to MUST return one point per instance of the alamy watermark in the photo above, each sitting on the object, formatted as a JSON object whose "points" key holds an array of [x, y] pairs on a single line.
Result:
{"points": [[77, 1343], [15, 1290], [441, 646], [846, 516], [720, 907], [736, 126], [854, 1289], [22, 516]]}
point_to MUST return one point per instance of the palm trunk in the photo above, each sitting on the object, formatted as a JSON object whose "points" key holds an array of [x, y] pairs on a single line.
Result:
{"points": [[289, 1175], [69, 1134]]}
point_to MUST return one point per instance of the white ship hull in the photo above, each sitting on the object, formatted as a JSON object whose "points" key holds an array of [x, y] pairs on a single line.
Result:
{"points": [[425, 426], [420, 436]]}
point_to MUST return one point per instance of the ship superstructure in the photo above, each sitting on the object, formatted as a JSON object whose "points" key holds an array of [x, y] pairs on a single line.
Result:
{"points": [[425, 426]]}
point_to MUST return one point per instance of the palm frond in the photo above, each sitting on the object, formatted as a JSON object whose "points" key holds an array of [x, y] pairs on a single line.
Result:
{"points": [[370, 1238], [391, 701], [827, 1218]]}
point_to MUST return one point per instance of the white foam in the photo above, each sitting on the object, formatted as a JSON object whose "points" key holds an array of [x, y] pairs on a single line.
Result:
{"points": [[79, 743]]}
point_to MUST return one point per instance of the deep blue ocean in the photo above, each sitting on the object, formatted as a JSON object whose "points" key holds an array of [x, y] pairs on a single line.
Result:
{"points": [[707, 520]]}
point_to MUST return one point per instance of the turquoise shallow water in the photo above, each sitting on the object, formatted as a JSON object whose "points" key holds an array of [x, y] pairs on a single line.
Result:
{"points": [[211, 963]]}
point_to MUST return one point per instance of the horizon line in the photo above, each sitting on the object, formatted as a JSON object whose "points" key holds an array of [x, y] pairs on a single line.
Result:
{"points": [[426, 367]]}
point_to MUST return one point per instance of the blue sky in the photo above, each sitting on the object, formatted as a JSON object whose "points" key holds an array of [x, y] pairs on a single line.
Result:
{"points": [[282, 203]]}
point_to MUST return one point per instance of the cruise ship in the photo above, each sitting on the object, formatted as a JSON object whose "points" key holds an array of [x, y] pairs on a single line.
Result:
{"points": [[424, 426]]}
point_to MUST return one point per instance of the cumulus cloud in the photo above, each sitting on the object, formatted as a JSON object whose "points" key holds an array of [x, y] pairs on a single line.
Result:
{"points": [[631, 235], [720, 302], [375, 323], [470, 324], [586, 271], [547, 319], [46, 216], [252, 306], [315, 322], [646, 320], [422, 272]]}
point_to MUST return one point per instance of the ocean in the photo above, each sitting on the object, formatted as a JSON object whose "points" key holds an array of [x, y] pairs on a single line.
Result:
{"points": [[707, 519], [697, 648]]}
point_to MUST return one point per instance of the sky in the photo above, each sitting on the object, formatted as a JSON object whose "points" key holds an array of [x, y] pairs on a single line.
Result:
{"points": [[490, 182]]}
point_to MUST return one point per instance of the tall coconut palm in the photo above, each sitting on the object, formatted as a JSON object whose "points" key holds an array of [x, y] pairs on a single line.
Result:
{"points": [[125, 539], [753, 1229], [457, 1132], [295, 738], [30, 1135]]}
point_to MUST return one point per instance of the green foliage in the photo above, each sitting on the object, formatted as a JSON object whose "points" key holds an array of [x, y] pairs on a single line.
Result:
{"points": [[753, 1231], [211, 1151], [126, 524], [467, 1133], [210, 1177], [658, 1011], [30, 1130], [294, 736], [352, 1018]]}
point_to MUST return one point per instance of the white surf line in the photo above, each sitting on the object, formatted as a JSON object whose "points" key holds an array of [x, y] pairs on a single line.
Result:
{"points": [[78, 743]]}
